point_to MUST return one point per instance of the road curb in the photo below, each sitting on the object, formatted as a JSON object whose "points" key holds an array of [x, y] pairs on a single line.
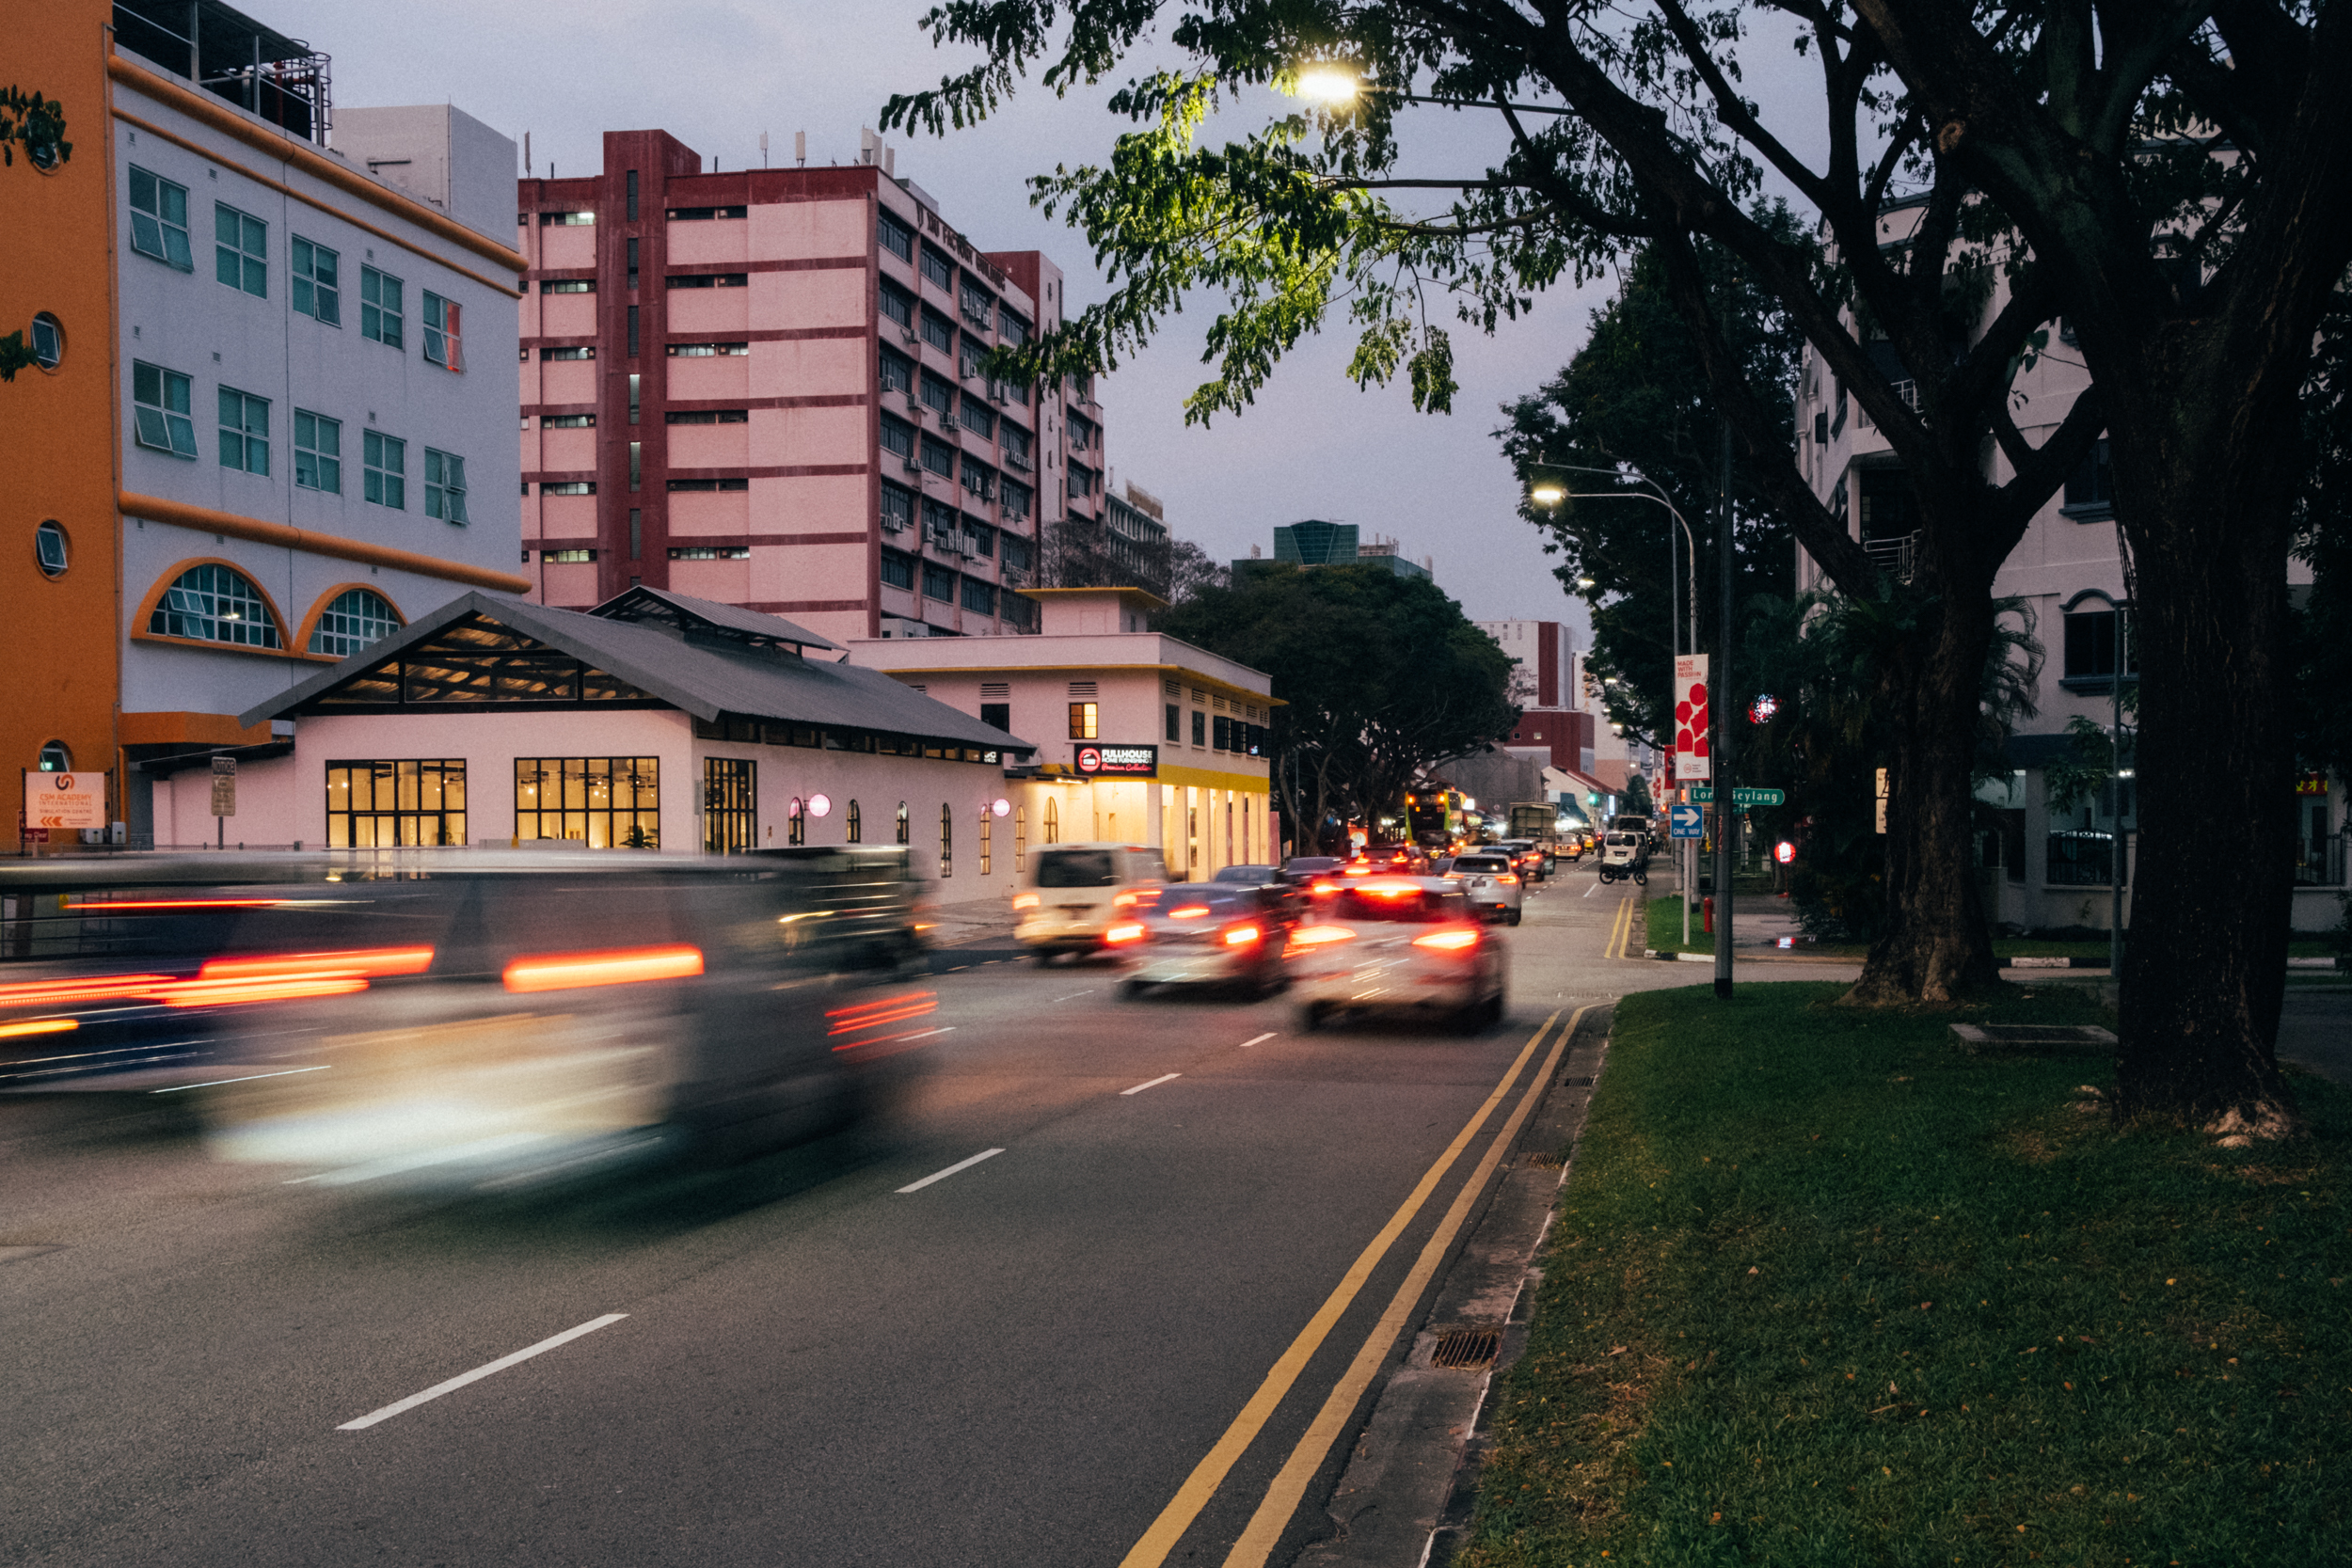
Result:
{"points": [[1405, 1495]]}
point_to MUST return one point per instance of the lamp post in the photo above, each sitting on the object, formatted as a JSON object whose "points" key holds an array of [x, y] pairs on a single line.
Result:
{"points": [[1550, 495]]}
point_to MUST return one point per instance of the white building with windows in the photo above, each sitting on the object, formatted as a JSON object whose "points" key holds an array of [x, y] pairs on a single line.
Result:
{"points": [[2044, 863], [316, 365]]}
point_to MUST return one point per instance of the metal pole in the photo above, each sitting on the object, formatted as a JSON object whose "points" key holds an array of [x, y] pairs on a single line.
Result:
{"points": [[2115, 841], [1719, 726]]}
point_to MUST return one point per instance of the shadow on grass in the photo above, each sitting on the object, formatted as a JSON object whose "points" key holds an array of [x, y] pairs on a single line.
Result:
{"points": [[1823, 1290]]}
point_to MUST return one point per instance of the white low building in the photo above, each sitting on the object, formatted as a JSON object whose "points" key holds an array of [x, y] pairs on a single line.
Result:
{"points": [[656, 722]]}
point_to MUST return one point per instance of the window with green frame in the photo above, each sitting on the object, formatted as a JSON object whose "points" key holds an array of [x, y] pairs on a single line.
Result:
{"points": [[442, 344], [380, 309], [216, 604], [160, 408], [318, 452], [240, 250], [317, 290], [357, 621], [444, 487], [159, 219], [385, 468], [244, 431]]}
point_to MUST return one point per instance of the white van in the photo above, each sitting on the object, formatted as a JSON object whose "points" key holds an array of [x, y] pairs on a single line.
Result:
{"points": [[1086, 897]]}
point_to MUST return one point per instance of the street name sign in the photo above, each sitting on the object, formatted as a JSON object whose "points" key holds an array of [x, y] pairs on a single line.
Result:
{"points": [[1705, 794]]}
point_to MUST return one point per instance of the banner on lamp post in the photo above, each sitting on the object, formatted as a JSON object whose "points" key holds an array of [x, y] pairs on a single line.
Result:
{"points": [[1692, 762]]}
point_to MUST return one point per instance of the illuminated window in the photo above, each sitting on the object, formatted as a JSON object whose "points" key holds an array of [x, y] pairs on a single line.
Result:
{"points": [[216, 604], [946, 841], [605, 802], [382, 805], [1052, 833], [902, 822], [1021, 838], [730, 809], [1085, 720], [853, 827], [988, 832], [356, 620]]}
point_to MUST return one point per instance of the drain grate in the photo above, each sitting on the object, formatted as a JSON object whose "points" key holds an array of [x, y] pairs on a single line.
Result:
{"points": [[1578, 1083], [1544, 1162], [1466, 1347]]}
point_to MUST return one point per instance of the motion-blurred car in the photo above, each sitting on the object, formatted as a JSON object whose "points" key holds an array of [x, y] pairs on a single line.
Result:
{"points": [[1398, 944], [1086, 899], [1209, 934], [1279, 898], [1299, 870], [1490, 881], [470, 1017]]}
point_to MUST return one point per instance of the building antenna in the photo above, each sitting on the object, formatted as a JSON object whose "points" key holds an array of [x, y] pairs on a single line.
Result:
{"points": [[763, 150], [800, 148], [526, 154]]}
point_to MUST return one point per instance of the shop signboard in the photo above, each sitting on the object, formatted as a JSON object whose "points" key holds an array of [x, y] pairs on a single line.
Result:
{"points": [[64, 801], [1108, 761]]}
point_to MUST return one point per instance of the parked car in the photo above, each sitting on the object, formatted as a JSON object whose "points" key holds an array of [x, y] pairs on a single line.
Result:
{"points": [[1408, 945], [1490, 881], [1210, 934], [1087, 899]]}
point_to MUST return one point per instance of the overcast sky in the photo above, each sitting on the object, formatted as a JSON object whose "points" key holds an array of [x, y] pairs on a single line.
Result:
{"points": [[718, 72]]}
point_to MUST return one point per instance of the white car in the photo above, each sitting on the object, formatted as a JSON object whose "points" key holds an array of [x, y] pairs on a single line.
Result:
{"points": [[1489, 879], [1397, 945]]}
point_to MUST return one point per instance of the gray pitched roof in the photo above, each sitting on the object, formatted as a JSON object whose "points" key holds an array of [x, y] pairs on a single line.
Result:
{"points": [[685, 611], [700, 679]]}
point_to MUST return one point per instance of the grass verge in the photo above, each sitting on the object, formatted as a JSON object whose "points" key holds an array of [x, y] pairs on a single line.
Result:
{"points": [[1665, 926], [1823, 1290]]}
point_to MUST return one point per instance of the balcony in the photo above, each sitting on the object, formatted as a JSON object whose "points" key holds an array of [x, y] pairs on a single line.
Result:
{"points": [[229, 54], [1897, 557]]}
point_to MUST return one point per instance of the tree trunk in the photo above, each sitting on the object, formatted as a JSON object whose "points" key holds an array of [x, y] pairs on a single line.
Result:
{"points": [[2202, 501], [1934, 946]]}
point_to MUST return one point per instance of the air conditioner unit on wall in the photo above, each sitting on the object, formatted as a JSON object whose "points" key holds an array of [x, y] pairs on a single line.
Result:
{"points": [[913, 466]]}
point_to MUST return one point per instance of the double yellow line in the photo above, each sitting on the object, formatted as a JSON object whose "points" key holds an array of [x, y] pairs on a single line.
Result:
{"points": [[1621, 929], [1265, 1530]]}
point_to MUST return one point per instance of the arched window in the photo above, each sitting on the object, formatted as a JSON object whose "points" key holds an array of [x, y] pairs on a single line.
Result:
{"points": [[854, 828], [1051, 832], [2091, 623], [988, 838], [355, 621], [216, 604], [903, 823], [947, 840], [55, 758], [1021, 838], [796, 822]]}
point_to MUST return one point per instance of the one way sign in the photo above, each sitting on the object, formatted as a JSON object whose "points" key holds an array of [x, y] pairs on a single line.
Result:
{"points": [[1686, 821]]}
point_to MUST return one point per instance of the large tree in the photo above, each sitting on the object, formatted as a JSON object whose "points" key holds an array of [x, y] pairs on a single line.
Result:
{"points": [[1378, 676], [2169, 173]]}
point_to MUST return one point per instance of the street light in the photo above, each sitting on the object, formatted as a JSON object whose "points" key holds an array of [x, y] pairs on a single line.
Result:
{"points": [[1550, 493], [1328, 84]]}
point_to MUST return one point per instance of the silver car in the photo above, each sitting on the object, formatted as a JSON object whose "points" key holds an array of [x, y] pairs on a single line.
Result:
{"points": [[1210, 934], [1491, 883], [1398, 944]]}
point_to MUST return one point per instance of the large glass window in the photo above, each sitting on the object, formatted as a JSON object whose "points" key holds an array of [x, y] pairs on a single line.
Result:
{"points": [[939, 332], [385, 467], [317, 288], [159, 219], [381, 805], [358, 620], [605, 802], [444, 487], [443, 346], [244, 431], [381, 314], [160, 406], [730, 805], [896, 237], [240, 250], [937, 270], [216, 604], [318, 452]]}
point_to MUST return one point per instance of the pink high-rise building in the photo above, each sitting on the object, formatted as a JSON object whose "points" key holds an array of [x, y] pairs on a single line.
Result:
{"points": [[763, 387]]}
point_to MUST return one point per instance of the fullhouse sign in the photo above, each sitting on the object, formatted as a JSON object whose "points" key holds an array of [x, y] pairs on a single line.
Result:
{"points": [[1119, 761]]}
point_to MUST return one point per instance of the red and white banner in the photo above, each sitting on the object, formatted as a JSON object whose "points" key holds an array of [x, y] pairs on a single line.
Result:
{"points": [[1692, 764]]}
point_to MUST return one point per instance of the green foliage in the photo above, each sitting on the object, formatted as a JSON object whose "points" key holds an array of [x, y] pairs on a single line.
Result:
{"points": [[1379, 677], [35, 123], [1636, 395], [1824, 1292], [15, 355]]}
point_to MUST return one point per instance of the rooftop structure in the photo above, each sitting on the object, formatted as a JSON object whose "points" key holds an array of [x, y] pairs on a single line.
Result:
{"points": [[1317, 543]]}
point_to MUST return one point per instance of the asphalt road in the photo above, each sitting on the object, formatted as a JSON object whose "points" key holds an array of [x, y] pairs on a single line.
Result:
{"points": [[1024, 1361]]}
